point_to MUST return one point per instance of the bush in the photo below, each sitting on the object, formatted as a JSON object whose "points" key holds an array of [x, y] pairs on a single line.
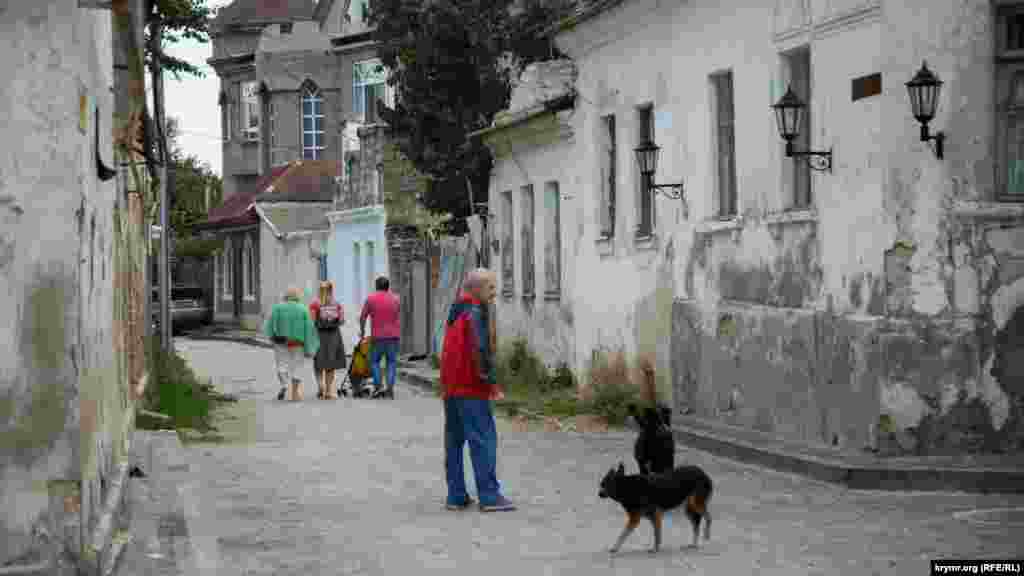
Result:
{"points": [[176, 391], [520, 371], [611, 388]]}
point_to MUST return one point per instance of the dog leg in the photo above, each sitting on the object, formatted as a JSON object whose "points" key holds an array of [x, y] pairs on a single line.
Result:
{"points": [[656, 520], [707, 524], [632, 520]]}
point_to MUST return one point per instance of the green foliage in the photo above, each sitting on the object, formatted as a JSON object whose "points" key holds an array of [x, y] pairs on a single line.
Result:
{"points": [[175, 390], [198, 247], [453, 64], [611, 389], [180, 19]]}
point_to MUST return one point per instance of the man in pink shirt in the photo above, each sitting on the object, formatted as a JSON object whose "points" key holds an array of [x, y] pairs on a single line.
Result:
{"points": [[382, 308]]}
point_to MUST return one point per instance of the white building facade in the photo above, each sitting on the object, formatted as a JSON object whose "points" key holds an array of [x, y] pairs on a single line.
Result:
{"points": [[870, 306]]}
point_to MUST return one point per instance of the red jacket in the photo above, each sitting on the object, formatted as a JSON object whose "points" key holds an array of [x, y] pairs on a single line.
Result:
{"points": [[467, 361]]}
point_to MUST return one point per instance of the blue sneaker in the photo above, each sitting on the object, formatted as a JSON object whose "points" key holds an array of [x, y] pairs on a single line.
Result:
{"points": [[502, 504], [459, 507]]}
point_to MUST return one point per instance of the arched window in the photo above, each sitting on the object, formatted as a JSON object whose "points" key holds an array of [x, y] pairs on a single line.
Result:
{"points": [[312, 123], [249, 270], [227, 272]]}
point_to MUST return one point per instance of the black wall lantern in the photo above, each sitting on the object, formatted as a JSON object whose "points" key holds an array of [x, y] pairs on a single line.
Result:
{"points": [[924, 89], [789, 111], [647, 158]]}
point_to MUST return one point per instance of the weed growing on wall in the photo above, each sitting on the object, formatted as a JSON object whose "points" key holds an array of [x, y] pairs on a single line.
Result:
{"points": [[611, 387], [175, 391]]}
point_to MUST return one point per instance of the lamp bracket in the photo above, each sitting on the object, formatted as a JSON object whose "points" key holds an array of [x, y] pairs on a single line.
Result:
{"points": [[818, 161], [673, 191]]}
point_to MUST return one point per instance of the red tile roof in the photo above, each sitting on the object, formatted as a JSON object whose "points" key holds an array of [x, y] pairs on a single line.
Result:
{"points": [[237, 210], [297, 181]]}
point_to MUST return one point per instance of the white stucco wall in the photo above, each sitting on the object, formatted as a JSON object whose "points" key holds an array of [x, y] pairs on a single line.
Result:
{"points": [[349, 228], [534, 154], [285, 263], [63, 384]]}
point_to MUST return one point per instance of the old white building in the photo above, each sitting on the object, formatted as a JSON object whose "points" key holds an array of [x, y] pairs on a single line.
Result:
{"points": [[872, 304]]}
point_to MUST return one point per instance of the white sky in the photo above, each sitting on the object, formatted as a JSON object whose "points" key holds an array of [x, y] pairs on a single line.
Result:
{"points": [[193, 101]]}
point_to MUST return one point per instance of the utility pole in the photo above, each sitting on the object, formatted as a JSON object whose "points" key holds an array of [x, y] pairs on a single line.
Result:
{"points": [[165, 233]]}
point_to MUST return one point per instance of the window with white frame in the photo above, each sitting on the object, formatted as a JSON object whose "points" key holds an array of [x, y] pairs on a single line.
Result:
{"points": [[608, 176], [725, 144], [552, 241], [1010, 103], [527, 238], [312, 123], [797, 72], [251, 110], [507, 254], [645, 199], [227, 266], [357, 275], [369, 85], [249, 273]]}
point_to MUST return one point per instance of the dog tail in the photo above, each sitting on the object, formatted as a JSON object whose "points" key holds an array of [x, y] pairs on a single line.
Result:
{"points": [[649, 391]]}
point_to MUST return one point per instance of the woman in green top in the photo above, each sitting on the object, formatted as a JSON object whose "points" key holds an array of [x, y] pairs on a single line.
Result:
{"points": [[292, 331]]}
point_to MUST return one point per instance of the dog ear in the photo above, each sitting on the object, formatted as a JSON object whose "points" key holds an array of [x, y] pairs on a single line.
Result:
{"points": [[622, 469]]}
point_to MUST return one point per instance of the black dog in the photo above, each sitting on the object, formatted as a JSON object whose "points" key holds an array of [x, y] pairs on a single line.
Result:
{"points": [[651, 496], [655, 448]]}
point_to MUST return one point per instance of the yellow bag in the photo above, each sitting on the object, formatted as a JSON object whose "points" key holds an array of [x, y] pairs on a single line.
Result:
{"points": [[360, 368]]}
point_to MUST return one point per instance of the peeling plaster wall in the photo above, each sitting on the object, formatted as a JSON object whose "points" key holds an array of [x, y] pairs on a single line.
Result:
{"points": [[883, 315], [535, 153], [65, 409]]}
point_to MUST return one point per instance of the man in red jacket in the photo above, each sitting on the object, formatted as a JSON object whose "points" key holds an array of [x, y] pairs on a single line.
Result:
{"points": [[468, 384]]}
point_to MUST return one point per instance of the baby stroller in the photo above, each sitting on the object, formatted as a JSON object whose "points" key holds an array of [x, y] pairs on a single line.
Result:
{"points": [[359, 371]]}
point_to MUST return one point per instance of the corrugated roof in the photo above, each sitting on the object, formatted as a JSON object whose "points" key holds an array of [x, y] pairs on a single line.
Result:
{"points": [[265, 11], [291, 218], [236, 209]]}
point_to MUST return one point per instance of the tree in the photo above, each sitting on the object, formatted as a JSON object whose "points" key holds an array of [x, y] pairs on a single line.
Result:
{"points": [[190, 179], [177, 20], [452, 64]]}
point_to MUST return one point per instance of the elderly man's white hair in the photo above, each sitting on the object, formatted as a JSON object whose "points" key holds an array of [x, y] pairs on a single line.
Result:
{"points": [[477, 279]]}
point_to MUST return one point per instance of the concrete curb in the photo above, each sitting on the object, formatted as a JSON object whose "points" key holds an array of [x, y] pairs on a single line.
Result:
{"points": [[856, 476]]}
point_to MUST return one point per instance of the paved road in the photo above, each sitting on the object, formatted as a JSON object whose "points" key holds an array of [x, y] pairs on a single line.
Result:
{"points": [[356, 487]]}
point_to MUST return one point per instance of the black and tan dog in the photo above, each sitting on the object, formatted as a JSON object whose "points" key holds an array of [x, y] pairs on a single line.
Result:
{"points": [[655, 447], [650, 496]]}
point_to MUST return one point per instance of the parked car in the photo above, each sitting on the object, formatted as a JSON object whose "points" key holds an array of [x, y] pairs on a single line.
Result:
{"points": [[189, 308]]}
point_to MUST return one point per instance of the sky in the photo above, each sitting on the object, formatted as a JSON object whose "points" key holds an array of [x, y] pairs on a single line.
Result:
{"points": [[193, 101]]}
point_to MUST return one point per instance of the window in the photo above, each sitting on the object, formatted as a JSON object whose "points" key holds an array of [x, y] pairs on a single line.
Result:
{"points": [[249, 269], [797, 69], [552, 241], [227, 266], [527, 236], [357, 275], [645, 133], [251, 110], [1010, 95], [507, 265], [312, 123], [369, 84], [370, 266], [725, 144], [608, 159]]}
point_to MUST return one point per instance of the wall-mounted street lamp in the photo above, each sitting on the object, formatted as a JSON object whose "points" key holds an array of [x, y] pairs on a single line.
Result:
{"points": [[789, 111], [924, 89], [647, 158]]}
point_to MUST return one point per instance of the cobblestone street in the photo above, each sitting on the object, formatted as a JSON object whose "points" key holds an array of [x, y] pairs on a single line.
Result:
{"points": [[356, 487]]}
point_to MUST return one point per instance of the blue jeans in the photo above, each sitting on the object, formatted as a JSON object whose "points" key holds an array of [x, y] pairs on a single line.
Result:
{"points": [[388, 348], [471, 420]]}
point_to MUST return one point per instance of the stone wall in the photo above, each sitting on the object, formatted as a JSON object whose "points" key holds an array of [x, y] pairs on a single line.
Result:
{"points": [[71, 272]]}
